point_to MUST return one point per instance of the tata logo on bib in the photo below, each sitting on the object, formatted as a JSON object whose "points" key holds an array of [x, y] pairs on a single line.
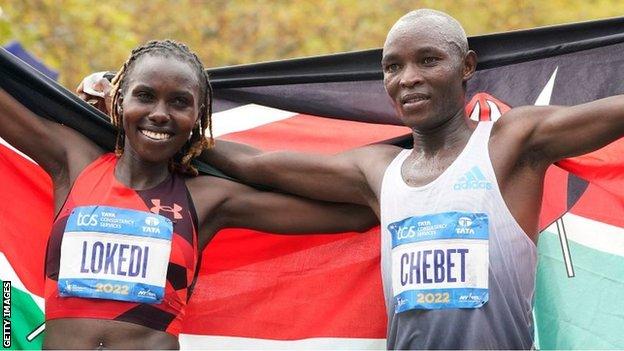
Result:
{"points": [[464, 221], [152, 225], [152, 221], [464, 226], [473, 180]]}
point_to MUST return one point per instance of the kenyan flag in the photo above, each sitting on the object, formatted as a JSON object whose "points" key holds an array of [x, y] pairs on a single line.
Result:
{"points": [[262, 291]]}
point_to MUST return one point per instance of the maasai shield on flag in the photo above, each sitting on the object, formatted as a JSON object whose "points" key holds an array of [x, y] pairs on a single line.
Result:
{"points": [[264, 291]]}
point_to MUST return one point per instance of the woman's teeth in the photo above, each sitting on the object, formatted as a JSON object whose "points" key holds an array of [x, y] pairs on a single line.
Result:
{"points": [[155, 135]]}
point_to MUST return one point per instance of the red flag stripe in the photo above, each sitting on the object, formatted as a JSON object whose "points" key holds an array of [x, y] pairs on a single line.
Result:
{"points": [[25, 216]]}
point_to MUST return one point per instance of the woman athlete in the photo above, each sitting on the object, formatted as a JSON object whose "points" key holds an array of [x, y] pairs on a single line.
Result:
{"points": [[123, 251]]}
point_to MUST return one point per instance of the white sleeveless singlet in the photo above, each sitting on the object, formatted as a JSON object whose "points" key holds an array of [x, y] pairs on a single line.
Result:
{"points": [[458, 271]]}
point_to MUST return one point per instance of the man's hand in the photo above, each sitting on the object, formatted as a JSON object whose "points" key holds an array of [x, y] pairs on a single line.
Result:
{"points": [[95, 89]]}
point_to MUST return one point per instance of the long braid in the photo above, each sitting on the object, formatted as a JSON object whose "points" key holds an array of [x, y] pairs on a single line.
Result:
{"points": [[197, 143]]}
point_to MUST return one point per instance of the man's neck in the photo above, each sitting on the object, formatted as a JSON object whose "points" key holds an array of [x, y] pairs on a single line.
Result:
{"points": [[451, 134]]}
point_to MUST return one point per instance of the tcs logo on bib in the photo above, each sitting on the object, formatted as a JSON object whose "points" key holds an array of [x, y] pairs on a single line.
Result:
{"points": [[89, 220]]}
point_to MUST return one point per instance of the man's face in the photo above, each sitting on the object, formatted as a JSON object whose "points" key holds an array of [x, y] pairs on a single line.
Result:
{"points": [[423, 73]]}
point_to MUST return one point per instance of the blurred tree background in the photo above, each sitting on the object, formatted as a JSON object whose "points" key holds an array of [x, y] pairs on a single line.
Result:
{"points": [[77, 37]]}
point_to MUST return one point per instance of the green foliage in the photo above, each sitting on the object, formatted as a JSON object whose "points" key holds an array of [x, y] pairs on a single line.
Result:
{"points": [[77, 37]]}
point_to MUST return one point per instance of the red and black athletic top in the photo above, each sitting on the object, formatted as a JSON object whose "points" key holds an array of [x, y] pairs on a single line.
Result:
{"points": [[97, 185]]}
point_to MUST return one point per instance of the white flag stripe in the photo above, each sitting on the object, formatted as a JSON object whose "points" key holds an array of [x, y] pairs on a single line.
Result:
{"points": [[7, 273], [3, 142], [205, 342], [593, 234], [246, 117]]}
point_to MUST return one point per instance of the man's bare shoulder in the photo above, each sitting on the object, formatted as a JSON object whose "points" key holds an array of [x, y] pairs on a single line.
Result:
{"points": [[373, 161], [520, 120], [377, 154], [512, 141], [509, 132]]}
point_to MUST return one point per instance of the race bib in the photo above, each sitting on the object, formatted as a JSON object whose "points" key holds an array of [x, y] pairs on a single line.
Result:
{"points": [[440, 261], [116, 254]]}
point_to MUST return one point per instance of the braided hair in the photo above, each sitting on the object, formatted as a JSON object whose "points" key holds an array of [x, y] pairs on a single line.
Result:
{"points": [[197, 143]]}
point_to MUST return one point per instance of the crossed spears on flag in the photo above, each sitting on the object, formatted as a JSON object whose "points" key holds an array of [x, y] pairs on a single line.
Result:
{"points": [[543, 99]]}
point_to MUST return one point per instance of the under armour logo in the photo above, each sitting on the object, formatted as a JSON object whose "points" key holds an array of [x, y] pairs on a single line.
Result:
{"points": [[158, 207]]}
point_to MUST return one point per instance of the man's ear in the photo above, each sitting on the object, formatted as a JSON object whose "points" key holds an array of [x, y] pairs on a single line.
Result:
{"points": [[470, 65]]}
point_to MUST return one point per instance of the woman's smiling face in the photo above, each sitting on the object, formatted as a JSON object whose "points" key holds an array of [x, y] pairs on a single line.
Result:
{"points": [[160, 107]]}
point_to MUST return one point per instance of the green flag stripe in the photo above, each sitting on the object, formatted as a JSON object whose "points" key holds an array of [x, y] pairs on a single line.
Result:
{"points": [[583, 312], [26, 316]]}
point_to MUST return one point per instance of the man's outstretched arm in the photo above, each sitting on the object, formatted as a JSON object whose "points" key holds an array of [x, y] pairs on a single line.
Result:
{"points": [[341, 178], [557, 132]]}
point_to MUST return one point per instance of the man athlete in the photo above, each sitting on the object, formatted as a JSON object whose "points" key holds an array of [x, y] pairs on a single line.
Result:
{"points": [[459, 212]]}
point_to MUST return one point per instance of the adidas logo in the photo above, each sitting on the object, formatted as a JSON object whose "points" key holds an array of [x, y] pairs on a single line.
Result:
{"points": [[473, 179]]}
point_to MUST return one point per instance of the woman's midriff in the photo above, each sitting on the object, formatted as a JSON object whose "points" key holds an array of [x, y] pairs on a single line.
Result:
{"points": [[87, 333]]}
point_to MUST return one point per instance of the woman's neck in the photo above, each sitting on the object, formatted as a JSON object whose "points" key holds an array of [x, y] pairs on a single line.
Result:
{"points": [[139, 174]]}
